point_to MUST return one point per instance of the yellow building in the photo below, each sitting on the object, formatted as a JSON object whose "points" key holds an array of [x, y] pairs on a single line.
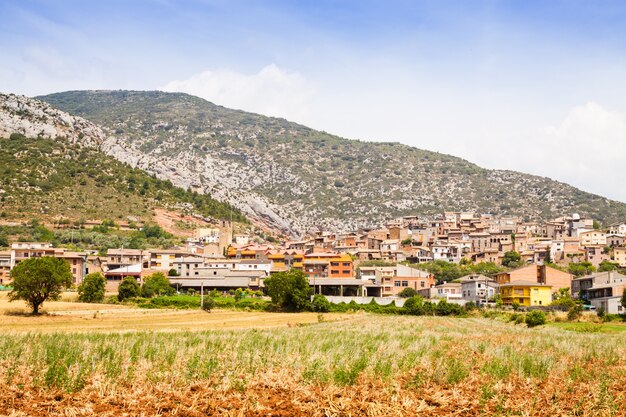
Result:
{"points": [[526, 293]]}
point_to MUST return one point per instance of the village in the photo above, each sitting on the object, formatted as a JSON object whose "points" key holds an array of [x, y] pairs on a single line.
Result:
{"points": [[381, 263]]}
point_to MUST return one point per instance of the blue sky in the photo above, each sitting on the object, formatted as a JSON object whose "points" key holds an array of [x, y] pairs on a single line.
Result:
{"points": [[535, 86]]}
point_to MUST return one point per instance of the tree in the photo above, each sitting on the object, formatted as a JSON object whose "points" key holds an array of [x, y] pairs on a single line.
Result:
{"points": [[92, 289], [36, 280], [4, 242], [320, 303], [581, 268], [607, 266], [408, 292], [172, 272], [623, 301], [564, 299], [289, 290], [129, 288], [156, 284], [511, 259]]}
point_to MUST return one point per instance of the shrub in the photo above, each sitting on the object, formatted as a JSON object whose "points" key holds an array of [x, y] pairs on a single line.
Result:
{"points": [[129, 288], [208, 303], [92, 289], [575, 312], [414, 306], [535, 318], [320, 303], [408, 292]]}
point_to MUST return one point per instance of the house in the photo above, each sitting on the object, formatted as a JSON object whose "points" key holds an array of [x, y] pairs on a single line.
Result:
{"points": [[539, 274], [117, 258], [327, 265], [592, 237], [526, 293], [607, 297], [596, 255], [614, 240], [478, 288], [389, 281], [5, 267], [619, 256], [581, 285], [25, 250], [447, 290]]}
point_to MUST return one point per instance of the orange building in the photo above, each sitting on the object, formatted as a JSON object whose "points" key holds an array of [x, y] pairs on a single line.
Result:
{"points": [[326, 265]]}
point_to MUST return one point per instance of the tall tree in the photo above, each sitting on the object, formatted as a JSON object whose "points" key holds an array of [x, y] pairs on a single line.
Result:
{"points": [[36, 280], [289, 290]]}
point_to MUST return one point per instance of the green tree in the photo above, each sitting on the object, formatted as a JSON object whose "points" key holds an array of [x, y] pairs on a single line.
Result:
{"points": [[511, 259], [156, 284], [580, 269], [408, 292], [564, 299], [4, 241], [607, 266], [36, 280], [320, 303], [172, 272], [129, 288], [92, 289], [289, 290], [623, 301]]}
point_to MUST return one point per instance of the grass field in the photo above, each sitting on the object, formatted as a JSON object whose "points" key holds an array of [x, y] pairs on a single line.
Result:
{"points": [[288, 365]]}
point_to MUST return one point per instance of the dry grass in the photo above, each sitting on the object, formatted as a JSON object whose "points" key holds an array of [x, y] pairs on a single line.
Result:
{"points": [[369, 365], [73, 317]]}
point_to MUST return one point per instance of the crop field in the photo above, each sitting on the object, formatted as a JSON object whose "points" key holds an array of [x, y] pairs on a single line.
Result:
{"points": [[330, 365]]}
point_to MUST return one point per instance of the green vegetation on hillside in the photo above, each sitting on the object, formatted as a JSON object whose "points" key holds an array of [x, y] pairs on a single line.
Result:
{"points": [[54, 179], [314, 176]]}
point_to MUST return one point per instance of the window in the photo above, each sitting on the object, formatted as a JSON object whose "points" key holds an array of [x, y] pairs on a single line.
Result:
{"points": [[346, 272], [346, 264], [334, 271], [422, 284], [396, 283], [405, 283]]}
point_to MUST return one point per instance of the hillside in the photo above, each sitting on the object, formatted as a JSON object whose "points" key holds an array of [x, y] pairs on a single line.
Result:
{"points": [[53, 176], [295, 179]]}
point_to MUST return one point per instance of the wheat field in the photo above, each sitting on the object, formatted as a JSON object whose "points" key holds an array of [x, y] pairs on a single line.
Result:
{"points": [[363, 364]]}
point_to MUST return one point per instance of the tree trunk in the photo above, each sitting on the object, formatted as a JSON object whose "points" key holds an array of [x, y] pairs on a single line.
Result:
{"points": [[35, 308]]}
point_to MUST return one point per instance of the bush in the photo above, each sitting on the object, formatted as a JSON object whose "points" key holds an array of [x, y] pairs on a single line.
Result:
{"points": [[414, 306], [320, 303], [575, 312], [535, 318], [129, 288], [92, 289], [208, 303], [408, 292]]}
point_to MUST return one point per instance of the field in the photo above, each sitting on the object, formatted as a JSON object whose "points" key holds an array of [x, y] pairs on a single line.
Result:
{"points": [[255, 363]]}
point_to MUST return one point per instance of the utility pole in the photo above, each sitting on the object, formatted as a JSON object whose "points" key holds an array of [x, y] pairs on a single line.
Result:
{"points": [[202, 295]]}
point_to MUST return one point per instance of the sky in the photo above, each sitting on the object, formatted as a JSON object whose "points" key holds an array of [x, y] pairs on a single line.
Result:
{"points": [[526, 85]]}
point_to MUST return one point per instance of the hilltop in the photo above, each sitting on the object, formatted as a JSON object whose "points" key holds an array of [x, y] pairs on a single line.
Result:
{"points": [[60, 173], [294, 179]]}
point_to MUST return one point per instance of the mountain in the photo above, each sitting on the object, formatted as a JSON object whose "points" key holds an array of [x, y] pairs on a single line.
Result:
{"points": [[51, 167], [294, 179]]}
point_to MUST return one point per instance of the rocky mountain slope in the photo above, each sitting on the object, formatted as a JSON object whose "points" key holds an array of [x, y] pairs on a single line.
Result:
{"points": [[295, 179], [51, 167]]}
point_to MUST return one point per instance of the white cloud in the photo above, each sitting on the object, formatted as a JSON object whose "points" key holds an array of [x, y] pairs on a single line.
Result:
{"points": [[586, 149], [272, 91]]}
